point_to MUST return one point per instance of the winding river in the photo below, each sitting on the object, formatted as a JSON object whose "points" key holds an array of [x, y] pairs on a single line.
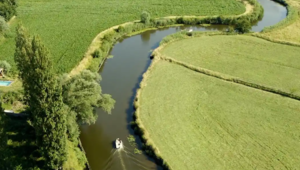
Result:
{"points": [[121, 76]]}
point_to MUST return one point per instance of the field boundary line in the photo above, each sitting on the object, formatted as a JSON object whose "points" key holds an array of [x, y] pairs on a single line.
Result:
{"points": [[228, 78], [96, 42]]}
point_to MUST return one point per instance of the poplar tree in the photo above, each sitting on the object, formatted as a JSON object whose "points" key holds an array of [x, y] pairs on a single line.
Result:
{"points": [[43, 95]]}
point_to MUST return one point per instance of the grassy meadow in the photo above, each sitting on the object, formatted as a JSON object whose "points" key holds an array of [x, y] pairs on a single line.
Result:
{"points": [[290, 32], [68, 27], [249, 58], [200, 122]]}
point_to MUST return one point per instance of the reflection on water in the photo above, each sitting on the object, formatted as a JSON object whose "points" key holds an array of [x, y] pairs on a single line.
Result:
{"points": [[120, 78]]}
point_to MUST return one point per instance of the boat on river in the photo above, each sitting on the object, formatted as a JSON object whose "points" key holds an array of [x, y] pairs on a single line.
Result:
{"points": [[119, 143]]}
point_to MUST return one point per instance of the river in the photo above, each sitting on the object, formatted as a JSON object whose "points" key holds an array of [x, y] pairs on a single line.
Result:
{"points": [[121, 76]]}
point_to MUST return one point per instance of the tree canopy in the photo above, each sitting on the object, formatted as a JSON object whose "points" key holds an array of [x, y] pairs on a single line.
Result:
{"points": [[243, 26], [8, 8], [43, 95], [82, 92]]}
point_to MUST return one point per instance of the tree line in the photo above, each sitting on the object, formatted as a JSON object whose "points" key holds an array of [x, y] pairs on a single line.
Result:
{"points": [[56, 106]]}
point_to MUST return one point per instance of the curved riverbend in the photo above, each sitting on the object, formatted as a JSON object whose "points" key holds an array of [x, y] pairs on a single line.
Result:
{"points": [[121, 77]]}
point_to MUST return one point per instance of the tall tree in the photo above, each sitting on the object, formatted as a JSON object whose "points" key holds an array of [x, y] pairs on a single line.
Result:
{"points": [[43, 95], [82, 92]]}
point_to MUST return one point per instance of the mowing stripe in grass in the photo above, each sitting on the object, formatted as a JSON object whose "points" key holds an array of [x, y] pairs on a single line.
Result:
{"points": [[196, 121]]}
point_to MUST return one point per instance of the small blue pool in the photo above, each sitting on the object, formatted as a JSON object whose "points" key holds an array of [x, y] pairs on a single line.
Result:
{"points": [[5, 83]]}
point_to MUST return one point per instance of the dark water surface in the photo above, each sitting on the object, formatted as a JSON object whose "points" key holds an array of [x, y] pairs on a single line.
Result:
{"points": [[121, 76]]}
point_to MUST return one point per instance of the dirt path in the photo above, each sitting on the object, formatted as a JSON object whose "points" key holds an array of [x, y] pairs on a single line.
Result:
{"points": [[96, 41]]}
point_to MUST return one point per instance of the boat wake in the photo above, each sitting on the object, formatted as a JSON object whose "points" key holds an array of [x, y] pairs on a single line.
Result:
{"points": [[125, 158]]}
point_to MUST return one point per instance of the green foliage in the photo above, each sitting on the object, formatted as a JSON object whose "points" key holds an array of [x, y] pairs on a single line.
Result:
{"points": [[11, 96], [97, 54], [3, 25], [6, 66], [137, 151], [131, 140], [243, 26], [82, 92], [7, 8], [44, 97], [145, 17]]}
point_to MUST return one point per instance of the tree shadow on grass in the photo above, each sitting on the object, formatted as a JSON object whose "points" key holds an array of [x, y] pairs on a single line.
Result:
{"points": [[17, 144]]}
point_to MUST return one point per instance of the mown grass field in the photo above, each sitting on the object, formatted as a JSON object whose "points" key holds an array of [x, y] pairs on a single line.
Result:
{"points": [[249, 58], [290, 33], [200, 122], [68, 27]]}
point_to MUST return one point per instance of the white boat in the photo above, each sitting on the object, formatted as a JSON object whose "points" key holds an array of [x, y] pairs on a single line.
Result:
{"points": [[119, 143]]}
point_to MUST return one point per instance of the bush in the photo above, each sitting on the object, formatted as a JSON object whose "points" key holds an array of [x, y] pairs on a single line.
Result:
{"points": [[97, 54], [12, 96], [243, 26], [145, 17], [6, 66], [3, 25], [7, 8]]}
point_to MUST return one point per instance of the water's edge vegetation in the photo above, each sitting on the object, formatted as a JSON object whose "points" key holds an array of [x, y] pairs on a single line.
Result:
{"points": [[137, 125], [104, 41], [102, 44], [156, 56]]}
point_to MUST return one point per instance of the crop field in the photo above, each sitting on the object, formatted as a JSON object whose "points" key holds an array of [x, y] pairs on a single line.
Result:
{"points": [[68, 27], [249, 58], [200, 122]]}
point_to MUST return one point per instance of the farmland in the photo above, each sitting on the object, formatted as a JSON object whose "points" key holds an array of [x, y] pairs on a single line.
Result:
{"points": [[249, 58], [200, 122], [68, 27]]}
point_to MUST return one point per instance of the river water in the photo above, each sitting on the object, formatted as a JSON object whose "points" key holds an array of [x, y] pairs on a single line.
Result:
{"points": [[121, 76]]}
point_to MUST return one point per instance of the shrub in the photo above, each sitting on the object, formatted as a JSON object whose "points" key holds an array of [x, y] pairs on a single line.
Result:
{"points": [[6, 66], [243, 26], [3, 25], [7, 8], [120, 29], [145, 17], [96, 54], [12, 96]]}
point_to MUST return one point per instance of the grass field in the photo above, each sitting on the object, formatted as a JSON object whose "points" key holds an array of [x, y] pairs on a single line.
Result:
{"points": [[290, 33], [200, 122], [68, 27], [249, 58]]}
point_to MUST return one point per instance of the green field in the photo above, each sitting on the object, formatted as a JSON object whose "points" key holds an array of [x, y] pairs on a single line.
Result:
{"points": [[249, 58], [200, 122], [68, 27]]}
